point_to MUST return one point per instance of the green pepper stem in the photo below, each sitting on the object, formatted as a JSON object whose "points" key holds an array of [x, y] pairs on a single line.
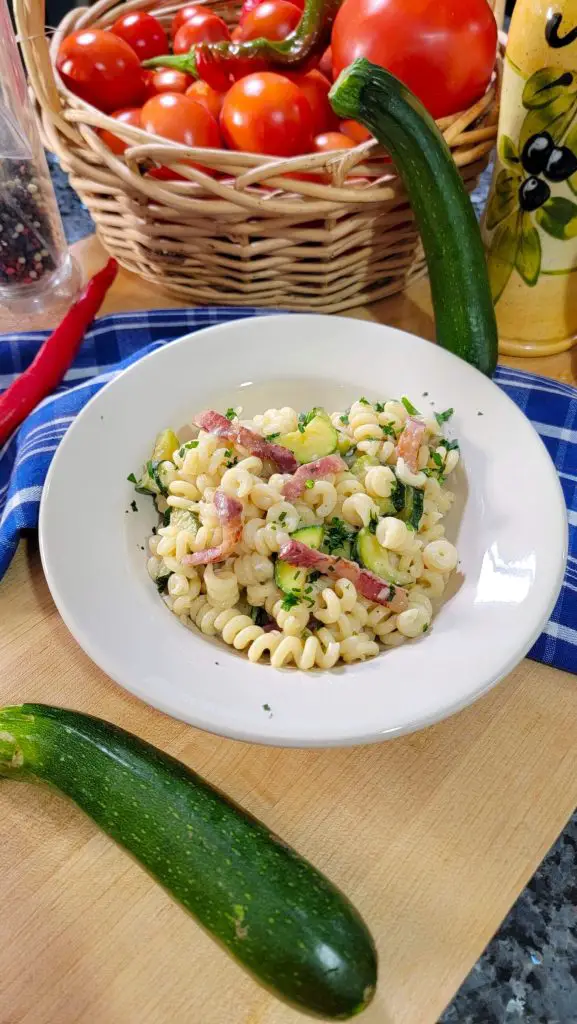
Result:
{"points": [[311, 35]]}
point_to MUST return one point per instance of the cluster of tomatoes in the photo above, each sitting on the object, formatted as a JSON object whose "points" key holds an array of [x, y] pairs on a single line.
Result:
{"points": [[443, 49]]}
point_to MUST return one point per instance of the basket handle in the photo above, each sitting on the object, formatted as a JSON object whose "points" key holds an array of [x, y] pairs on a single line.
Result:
{"points": [[498, 8], [29, 17]]}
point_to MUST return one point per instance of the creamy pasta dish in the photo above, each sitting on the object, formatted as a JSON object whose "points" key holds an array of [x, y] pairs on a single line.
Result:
{"points": [[307, 539]]}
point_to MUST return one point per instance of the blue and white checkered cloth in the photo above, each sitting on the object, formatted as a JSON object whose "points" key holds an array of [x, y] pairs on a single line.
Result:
{"points": [[116, 341]]}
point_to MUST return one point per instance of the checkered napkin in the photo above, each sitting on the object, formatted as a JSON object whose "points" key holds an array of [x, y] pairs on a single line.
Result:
{"points": [[116, 341]]}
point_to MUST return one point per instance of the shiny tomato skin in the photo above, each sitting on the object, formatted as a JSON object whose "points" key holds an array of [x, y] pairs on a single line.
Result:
{"points": [[143, 33], [101, 69], [267, 113], [316, 88], [204, 27], [443, 50], [203, 93], [178, 117], [329, 141], [355, 131], [326, 64], [131, 115], [271, 19], [169, 80], [182, 16]]}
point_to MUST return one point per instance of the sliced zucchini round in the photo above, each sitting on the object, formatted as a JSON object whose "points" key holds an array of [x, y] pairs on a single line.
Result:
{"points": [[412, 511], [165, 446], [376, 558], [313, 440], [291, 578], [361, 465]]}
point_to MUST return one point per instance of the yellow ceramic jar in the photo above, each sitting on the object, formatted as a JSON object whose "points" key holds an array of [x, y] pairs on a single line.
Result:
{"points": [[530, 225]]}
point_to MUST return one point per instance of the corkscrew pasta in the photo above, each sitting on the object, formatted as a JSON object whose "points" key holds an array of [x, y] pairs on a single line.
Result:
{"points": [[380, 506]]}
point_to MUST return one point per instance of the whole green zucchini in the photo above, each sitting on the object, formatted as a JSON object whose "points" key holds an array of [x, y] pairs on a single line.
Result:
{"points": [[271, 909], [464, 313]]}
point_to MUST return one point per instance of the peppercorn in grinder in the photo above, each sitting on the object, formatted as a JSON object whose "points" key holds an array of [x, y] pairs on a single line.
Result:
{"points": [[37, 272]]}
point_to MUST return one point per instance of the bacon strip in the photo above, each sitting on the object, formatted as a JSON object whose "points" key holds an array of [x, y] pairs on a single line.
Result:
{"points": [[410, 441], [312, 471], [229, 512], [367, 583], [215, 423]]}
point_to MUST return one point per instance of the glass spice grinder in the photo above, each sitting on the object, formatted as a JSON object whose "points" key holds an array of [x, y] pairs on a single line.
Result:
{"points": [[37, 272]]}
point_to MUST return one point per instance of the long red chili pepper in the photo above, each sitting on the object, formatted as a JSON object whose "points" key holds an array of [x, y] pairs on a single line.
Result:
{"points": [[221, 63], [55, 356]]}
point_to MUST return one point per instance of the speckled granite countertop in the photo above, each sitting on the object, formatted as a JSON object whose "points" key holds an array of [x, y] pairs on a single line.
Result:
{"points": [[528, 972]]}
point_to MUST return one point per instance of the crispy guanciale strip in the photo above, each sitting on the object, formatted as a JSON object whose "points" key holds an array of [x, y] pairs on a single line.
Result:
{"points": [[370, 586], [294, 487], [216, 423], [229, 512], [410, 441]]}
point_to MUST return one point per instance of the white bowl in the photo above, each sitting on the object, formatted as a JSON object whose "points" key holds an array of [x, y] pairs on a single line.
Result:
{"points": [[508, 521]]}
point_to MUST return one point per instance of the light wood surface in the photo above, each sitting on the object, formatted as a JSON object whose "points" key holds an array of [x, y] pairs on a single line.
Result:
{"points": [[433, 835]]}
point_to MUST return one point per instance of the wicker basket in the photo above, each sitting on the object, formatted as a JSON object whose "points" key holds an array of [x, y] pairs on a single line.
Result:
{"points": [[254, 237]]}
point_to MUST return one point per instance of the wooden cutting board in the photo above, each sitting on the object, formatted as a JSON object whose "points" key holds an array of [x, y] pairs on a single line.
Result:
{"points": [[432, 835]]}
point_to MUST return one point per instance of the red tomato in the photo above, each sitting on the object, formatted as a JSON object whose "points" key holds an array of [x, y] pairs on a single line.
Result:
{"points": [[129, 116], [169, 80], [272, 19], [143, 33], [208, 97], [332, 140], [204, 27], [326, 64], [316, 89], [355, 131], [182, 16], [101, 68], [444, 50], [266, 113], [179, 118]]}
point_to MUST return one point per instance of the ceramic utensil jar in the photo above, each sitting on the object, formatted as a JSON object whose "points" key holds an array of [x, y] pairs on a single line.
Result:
{"points": [[530, 224]]}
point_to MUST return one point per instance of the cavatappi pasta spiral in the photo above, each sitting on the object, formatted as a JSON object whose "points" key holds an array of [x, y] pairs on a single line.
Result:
{"points": [[390, 487]]}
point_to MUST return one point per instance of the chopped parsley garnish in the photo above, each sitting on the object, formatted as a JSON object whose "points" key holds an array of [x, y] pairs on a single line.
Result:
{"points": [[152, 470], [451, 445], [305, 418], [282, 517], [409, 406], [442, 417], [379, 406], [344, 418], [388, 429], [425, 628], [166, 516], [230, 414], [186, 447], [309, 484], [364, 401], [337, 533], [437, 459], [373, 522], [290, 600], [271, 437], [314, 576], [132, 479], [266, 707], [161, 583], [231, 457], [134, 506], [480, 414]]}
